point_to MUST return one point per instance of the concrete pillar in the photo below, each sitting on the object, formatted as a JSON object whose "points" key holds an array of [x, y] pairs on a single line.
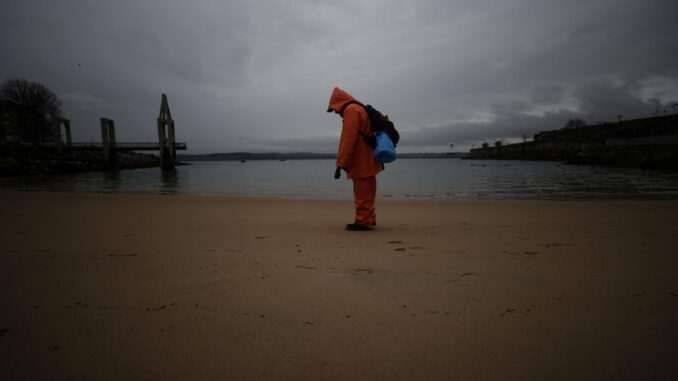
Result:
{"points": [[111, 133], [57, 136], [104, 138], [166, 137], [162, 143], [108, 142], [67, 126], [57, 133], [171, 140], [113, 153]]}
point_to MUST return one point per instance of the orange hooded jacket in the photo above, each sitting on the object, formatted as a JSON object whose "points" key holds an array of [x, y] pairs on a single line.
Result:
{"points": [[354, 154]]}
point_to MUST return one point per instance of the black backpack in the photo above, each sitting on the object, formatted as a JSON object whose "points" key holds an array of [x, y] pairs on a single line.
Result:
{"points": [[379, 122]]}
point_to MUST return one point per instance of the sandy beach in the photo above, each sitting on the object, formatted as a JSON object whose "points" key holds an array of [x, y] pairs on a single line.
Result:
{"points": [[182, 287]]}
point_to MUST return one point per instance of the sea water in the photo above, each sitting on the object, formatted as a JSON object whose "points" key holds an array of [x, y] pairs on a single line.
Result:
{"points": [[404, 178]]}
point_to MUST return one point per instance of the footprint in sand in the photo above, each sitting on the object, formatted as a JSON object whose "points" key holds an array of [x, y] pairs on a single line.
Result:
{"points": [[456, 252], [367, 271], [464, 280], [557, 244], [77, 305], [160, 307], [122, 255]]}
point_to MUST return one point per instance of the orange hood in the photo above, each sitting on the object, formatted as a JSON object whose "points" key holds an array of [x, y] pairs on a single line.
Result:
{"points": [[339, 100]]}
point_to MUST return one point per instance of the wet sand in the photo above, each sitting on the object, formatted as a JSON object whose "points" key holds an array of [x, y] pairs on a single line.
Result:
{"points": [[175, 287]]}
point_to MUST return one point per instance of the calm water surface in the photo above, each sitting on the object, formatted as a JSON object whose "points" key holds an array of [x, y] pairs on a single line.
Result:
{"points": [[405, 178]]}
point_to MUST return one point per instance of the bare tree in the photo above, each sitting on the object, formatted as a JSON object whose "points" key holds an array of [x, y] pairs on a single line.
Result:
{"points": [[574, 123], [31, 109]]}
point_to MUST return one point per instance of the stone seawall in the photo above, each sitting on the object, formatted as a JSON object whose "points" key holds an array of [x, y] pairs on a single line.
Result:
{"points": [[16, 161]]}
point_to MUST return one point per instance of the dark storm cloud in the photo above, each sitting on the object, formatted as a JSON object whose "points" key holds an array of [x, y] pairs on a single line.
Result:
{"points": [[542, 63], [249, 75]]}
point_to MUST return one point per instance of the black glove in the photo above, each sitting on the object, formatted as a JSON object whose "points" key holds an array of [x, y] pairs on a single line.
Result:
{"points": [[337, 173]]}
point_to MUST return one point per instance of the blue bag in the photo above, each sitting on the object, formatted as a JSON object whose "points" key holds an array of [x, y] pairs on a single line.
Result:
{"points": [[384, 151], [383, 138]]}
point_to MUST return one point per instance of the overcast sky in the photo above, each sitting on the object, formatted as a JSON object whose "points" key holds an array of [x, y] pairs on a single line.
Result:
{"points": [[257, 75]]}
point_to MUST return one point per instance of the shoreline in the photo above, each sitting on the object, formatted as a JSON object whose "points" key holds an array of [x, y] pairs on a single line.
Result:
{"points": [[148, 286], [349, 196]]}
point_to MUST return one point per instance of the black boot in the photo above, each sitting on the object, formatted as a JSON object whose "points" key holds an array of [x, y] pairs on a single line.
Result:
{"points": [[357, 227]]}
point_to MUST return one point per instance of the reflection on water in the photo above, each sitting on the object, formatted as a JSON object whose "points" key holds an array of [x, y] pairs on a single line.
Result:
{"points": [[169, 181], [111, 181]]}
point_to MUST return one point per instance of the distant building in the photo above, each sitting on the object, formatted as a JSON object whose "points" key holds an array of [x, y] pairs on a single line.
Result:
{"points": [[647, 142]]}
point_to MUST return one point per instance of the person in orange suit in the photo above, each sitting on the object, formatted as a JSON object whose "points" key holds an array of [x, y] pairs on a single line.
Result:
{"points": [[356, 157]]}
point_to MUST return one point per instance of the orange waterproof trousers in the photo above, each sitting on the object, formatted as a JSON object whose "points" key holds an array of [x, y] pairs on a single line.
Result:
{"points": [[364, 192]]}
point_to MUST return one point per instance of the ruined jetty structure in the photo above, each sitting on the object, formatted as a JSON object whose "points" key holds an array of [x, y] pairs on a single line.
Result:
{"points": [[60, 156], [166, 141], [637, 143]]}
